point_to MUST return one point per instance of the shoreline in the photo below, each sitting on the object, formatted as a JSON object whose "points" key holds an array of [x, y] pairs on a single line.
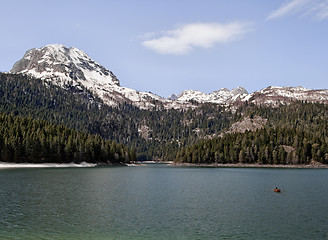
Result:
{"points": [[250, 165], [6, 165]]}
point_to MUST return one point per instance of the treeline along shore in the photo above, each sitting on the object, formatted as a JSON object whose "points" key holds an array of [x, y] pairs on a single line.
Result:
{"points": [[294, 134], [36, 141]]}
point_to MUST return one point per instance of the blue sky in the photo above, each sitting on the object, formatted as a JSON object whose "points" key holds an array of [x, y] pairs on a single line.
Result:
{"points": [[169, 46]]}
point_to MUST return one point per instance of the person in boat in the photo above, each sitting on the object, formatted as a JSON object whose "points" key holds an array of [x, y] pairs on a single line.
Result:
{"points": [[276, 189]]}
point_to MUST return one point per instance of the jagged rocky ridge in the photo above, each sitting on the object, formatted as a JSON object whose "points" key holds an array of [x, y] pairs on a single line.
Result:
{"points": [[273, 96], [222, 96], [62, 65]]}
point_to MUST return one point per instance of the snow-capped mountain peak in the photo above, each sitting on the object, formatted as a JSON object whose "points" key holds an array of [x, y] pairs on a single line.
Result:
{"points": [[274, 95], [221, 96], [239, 90], [172, 97], [62, 65]]}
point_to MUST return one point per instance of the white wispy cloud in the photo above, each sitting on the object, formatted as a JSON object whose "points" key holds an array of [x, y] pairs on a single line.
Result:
{"points": [[317, 9], [195, 35]]}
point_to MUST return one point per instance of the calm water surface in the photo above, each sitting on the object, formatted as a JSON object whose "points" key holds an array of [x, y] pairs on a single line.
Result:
{"points": [[161, 202]]}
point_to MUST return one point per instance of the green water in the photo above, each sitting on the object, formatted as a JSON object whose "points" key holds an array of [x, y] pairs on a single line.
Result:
{"points": [[159, 202]]}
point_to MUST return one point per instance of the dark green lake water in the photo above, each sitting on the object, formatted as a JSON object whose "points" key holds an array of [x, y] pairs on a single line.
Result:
{"points": [[160, 202]]}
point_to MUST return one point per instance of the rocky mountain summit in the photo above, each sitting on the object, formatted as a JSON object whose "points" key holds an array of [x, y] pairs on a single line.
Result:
{"points": [[222, 96], [57, 62], [70, 66], [273, 96], [62, 65]]}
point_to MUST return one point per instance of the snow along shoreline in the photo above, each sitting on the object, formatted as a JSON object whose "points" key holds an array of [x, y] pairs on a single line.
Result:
{"points": [[249, 165], [45, 165]]}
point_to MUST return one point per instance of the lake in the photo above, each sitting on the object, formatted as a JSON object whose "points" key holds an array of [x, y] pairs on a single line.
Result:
{"points": [[163, 202]]}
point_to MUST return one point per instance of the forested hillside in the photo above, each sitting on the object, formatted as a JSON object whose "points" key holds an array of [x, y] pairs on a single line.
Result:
{"points": [[294, 134], [156, 134], [36, 141]]}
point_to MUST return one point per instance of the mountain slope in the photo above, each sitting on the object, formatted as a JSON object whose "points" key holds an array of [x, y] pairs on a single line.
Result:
{"points": [[28, 140], [289, 134], [72, 67], [62, 66], [57, 62], [160, 134], [270, 96], [273, 96], [222, 96], [74, 107], [154, 134]]}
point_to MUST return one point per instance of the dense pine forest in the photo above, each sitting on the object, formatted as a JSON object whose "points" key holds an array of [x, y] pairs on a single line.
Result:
{"points": [[35, 141], [293, 134], [154, 134]]}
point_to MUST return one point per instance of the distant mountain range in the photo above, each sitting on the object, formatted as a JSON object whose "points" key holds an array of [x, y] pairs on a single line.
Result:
{"points": [[62, 65]]}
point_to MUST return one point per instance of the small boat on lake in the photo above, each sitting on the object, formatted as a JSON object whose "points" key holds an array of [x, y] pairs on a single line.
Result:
{"points": [[276, 189]]}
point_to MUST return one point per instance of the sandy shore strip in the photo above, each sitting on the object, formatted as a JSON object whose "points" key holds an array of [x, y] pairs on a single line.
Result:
{"points": [[45, 165], [248, 165]]}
